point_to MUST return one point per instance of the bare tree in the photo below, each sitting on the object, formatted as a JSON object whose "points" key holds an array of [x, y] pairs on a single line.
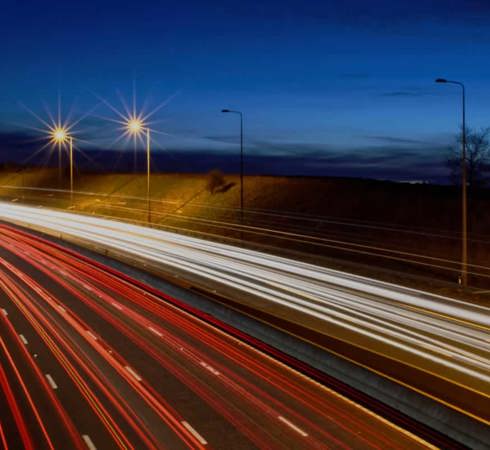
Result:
{"points": [[477, 158]]}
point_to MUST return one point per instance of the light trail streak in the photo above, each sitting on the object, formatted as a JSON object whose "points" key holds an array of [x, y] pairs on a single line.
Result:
{"points": [[117, 362], [15, 409], [345, 242], [352, 246], [39, 323], [3, 439], [261, 216], [171, 367], [61, 412], [250, 393], [407, 319], [351, 302]]}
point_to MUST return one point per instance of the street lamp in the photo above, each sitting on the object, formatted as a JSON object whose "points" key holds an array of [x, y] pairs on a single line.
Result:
{"points": [[135, 127], [60, 136], [241, 158], [464, 209]]}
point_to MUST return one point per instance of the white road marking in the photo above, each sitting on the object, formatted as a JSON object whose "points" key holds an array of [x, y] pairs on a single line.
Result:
{"points": [[292, 426], [210, 368], [23, 339], [89, 442], [132, 372], [92, 335], [51, 381], [194, 433], [155, 331]]}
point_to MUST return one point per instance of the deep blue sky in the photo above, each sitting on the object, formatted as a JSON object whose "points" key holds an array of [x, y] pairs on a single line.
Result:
{"points": [[338, 87]]}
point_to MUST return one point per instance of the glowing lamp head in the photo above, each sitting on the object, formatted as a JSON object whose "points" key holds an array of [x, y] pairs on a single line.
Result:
{"points": [[60, 135], [135, 126]]}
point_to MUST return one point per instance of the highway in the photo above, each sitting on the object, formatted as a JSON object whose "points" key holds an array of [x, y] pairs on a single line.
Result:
{"points": [[92, 360], [437, 336]]}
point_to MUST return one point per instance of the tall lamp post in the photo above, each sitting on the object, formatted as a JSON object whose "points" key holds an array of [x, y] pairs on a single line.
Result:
{"points": [[60, 164], [71, 168], [60, 136], [464, 188], [241, 158], [136, 127]]}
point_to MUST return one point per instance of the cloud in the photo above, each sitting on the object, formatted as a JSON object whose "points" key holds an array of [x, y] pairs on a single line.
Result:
{"points": [[394, 158], [394, 140], [390, 157], [13, 142], [273, 146], [224, 139], [292, 148]]}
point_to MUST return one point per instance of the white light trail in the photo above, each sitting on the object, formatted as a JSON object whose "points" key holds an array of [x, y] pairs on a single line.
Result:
{"points": [[449, 337]]}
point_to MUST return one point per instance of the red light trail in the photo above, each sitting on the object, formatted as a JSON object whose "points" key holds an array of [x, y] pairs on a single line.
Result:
{"points": [[131, 370]]}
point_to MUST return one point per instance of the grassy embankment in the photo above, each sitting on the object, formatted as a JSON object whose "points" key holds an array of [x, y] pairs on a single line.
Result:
{"points": [[337, 222]]}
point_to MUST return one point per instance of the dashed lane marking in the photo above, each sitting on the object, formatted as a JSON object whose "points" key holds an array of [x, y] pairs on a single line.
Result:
{"points": [[293, 426], [89, 442], [155, 331], [132, 372], [210, 368], [191, 430], [51, 381], [92, 335]]}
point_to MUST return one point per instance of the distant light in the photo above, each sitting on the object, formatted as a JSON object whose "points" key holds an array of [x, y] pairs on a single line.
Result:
{"points": [[134, 126], [59, 134]]}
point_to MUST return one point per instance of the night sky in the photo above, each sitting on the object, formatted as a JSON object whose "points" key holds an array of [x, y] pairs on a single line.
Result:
{"points": [[327, 88]]}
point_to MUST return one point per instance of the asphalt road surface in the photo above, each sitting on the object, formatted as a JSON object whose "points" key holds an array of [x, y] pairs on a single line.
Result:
{"points": [[88, 360]]}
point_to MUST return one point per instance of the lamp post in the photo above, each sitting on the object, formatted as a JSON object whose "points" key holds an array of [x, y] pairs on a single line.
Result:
{"points": [[136, 127], [464, 188], [60, 164], [241, 158], [71, 169], [60, 136]]}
